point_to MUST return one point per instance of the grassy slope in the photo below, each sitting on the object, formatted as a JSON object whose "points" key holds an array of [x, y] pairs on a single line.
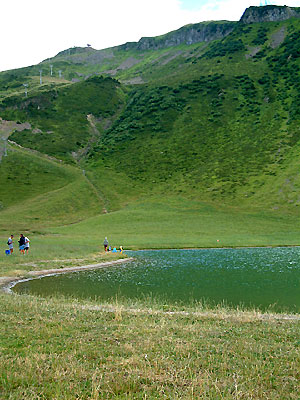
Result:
{"points": [[36, 192], [177, 223]]}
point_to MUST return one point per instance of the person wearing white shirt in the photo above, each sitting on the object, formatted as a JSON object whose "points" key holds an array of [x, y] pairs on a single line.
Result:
{"points": [[11, 243], [26, 244]]}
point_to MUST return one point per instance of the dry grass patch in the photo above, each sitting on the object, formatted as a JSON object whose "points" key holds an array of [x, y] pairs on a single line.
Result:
{"points": [[59, 350]]}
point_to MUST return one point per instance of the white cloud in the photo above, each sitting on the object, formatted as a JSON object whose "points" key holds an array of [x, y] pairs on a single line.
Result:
{"points": [[232, 10], [33, 30]]}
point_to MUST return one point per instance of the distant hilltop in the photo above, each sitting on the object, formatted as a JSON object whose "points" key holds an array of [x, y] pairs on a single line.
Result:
{"points": [[269, 14], [188, 34], [212, 30]]}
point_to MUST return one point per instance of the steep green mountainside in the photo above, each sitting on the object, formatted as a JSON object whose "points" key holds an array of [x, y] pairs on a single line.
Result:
{"points": [[224, 127], [209, 112], [65, 119]]}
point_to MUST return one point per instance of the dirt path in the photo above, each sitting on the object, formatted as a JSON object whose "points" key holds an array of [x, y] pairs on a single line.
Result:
{"points": [[96, 191]]}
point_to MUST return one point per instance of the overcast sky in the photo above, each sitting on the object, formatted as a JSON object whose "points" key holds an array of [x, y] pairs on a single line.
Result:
{"points": [[33, 30]]}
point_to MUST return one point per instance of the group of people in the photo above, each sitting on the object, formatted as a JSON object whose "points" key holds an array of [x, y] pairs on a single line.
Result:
{"points": [[107, 247], [23, 244]]}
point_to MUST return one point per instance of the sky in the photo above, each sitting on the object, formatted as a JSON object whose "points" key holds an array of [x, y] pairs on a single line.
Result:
{"points": [[34, 30]]}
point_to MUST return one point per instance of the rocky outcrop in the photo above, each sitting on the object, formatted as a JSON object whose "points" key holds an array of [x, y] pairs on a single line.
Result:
{"points": [[7, 127], [269, 14], [189, 34]]}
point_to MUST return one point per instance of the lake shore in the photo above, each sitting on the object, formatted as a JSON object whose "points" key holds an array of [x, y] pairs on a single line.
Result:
{"points": [[7, 282]]}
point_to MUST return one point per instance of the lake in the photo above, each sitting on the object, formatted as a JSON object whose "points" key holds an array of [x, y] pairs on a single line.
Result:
{"points": [[252, 277]]}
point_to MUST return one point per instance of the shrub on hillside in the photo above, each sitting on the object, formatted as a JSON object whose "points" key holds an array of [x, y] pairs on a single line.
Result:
{"points": [[221, 49], [261, 37]]}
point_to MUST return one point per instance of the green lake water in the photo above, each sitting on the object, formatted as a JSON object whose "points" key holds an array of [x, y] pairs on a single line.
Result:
{"points": [[252, 277]]}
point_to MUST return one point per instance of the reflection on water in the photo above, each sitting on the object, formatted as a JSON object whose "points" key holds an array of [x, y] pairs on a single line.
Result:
{"points": [[257, 277]]}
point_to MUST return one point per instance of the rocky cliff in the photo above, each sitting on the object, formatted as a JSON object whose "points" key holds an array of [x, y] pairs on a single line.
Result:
{"points": [[269, 13], [189, 34]]}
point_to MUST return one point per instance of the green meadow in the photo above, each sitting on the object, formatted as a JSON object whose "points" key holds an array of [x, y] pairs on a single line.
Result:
{"points": [[157, 225], [181, 223]]}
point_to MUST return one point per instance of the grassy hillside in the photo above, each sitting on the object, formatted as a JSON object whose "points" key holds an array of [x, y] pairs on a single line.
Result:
{"points": [[221, 135], [213, 121], [36, 192], [176, 222], [61, 117]]}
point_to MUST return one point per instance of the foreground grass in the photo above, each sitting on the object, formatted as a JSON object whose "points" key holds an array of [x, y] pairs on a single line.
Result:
{"points": [[57, 349]]}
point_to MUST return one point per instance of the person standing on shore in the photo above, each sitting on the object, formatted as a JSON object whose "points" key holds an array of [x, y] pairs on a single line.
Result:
{"points": [[105, 244], [22, 243], [10, 243], [26, 244]]}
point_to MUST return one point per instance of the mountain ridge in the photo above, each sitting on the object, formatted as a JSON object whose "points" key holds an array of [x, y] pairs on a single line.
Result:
{"points": [[188, 34], [199, 32]]}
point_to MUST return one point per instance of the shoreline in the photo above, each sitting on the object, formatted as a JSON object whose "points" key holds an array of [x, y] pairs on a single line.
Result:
{"points": [[8, 282], [220, 247]]}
